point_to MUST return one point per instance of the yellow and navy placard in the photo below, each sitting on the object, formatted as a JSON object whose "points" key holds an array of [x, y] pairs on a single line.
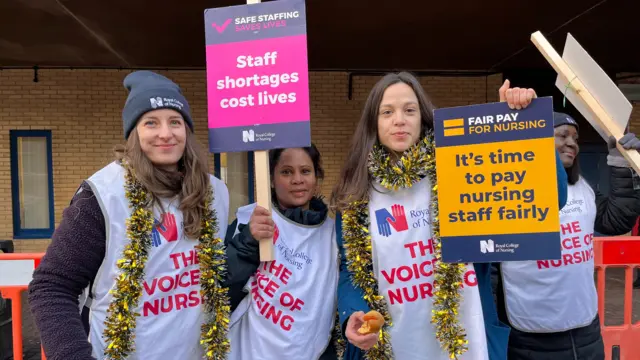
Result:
{"points": [[497, 183]]}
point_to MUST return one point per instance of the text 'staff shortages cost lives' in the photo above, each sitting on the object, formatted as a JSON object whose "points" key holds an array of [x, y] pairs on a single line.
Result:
{"points": [[497, 183], [257, 76]]}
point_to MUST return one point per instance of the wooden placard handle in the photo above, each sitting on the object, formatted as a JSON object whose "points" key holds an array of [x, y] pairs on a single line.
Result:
{"points": [[601, 116], [263, 190]]}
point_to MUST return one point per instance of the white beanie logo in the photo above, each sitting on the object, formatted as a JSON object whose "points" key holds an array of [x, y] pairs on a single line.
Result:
{"points": [[156, 102], [149, 91]]}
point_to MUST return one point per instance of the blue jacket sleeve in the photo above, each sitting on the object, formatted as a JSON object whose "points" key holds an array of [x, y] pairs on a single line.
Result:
{"points": [[563, 180], [350, 298], [497, 332]]}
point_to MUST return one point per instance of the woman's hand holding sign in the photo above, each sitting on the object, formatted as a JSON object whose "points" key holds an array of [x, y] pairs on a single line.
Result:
{"points": [[516, 98], [261, 225]]}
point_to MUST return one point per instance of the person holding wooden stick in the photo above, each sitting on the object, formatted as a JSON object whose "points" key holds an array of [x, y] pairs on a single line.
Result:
{"points": [[143, 238], [431, 310], [552, 305], [288, 307]]}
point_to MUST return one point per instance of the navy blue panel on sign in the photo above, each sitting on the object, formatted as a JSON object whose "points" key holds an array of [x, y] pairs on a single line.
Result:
{"points": [[495, 122], [250, 22], [511, 247], [282, 135]]}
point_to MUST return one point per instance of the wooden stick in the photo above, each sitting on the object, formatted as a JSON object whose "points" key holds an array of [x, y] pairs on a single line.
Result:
{"points": [[601, 116], [263, 189]]}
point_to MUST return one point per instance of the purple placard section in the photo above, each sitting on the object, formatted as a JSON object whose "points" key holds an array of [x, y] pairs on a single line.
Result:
{"points": [[257, 76], [260, 137], [256, 21]]}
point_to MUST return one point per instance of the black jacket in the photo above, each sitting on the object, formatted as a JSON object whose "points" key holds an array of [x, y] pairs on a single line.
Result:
{"points": [[243, 254], [616, 215]]}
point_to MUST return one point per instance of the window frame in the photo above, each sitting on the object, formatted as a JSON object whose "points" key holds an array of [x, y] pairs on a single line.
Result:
{"points": [[251, 178], [18, 231]]}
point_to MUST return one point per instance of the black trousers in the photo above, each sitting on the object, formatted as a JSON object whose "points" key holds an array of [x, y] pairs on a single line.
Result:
{"points": [[584, 343]]}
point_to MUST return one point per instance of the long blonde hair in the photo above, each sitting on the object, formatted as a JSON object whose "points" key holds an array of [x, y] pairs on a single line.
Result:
{"points": [[189, 183]]}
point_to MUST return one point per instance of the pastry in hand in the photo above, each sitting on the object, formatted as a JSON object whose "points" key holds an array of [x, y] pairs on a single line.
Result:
{"points": [[373, 322]]}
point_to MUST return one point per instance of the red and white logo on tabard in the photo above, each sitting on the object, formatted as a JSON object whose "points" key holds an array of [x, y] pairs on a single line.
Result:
{"points": [[167, 228], [396, 220], [290, 255], [276, 234]]}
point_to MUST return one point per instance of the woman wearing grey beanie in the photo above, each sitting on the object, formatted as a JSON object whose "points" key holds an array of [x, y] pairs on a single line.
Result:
{"points": [[140, 247]]}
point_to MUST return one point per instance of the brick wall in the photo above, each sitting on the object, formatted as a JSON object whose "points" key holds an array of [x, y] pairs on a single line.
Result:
{"points": [[634, 122], [82, 109]]}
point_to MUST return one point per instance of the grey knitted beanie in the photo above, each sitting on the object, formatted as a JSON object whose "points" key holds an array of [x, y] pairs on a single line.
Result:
{"points": [[151, 91]]}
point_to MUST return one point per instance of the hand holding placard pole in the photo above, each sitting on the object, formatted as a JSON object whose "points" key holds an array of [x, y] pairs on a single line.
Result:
{"points": [[601, 116], [263, 189]]}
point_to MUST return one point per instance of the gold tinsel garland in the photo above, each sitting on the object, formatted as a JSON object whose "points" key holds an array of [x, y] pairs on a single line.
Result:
{"points": [[408, 170], [417, 162], [215, 298], [338, 338], [120, 324], [357, 245]]}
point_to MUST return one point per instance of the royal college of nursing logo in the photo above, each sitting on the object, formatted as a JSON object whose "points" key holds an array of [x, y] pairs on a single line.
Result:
{"points": [[396, 220], [487, 246], [251, 136], [248, 135], [299, 259], [166, 229], [156, 102]]}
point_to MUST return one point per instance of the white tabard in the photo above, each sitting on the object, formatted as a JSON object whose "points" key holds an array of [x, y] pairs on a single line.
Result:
{"points": [[170, 306], [557, 295], [291, 306], [403, 262]]}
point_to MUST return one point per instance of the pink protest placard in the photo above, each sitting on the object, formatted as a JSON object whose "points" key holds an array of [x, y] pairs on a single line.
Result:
{"points": [[257, 76]]}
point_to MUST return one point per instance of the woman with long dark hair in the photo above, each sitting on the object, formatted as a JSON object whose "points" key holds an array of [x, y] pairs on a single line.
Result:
{"points": [[142, 239], [388, 182]]}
